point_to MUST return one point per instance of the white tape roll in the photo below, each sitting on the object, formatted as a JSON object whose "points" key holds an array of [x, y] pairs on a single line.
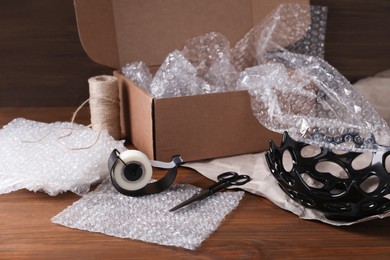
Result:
{"points": [[130, 157]]}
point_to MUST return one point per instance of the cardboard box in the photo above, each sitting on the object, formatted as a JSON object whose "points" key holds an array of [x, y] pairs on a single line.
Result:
{"points": [[115, 32]]}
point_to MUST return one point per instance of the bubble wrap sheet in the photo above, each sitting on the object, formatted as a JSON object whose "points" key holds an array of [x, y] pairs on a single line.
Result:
{"points": [[148, 218], [47, 157]]}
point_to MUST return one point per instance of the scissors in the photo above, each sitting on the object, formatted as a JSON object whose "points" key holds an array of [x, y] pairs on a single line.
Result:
{"points": [[225, 180]]}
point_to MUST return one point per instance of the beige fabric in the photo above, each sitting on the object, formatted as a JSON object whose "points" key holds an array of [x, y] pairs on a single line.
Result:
{"points": [[376, 90]]}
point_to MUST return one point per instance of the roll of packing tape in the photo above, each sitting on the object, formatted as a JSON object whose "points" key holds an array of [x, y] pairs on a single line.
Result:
{"points": [[131, 173], [136, 173]]}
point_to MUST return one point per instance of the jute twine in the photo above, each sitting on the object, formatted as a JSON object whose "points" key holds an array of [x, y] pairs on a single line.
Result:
{"points": [[104, 104]]}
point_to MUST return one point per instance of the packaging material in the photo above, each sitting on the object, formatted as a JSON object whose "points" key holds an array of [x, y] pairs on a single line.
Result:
{"points": [[207, 64], [104, 104], [197, 127], [314, 103], [54, 158], [311, 97], [342, 177], [148, 218], [313, 43]]}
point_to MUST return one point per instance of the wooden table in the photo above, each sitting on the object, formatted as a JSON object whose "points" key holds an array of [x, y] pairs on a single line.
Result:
{"points": [[256, 229]]}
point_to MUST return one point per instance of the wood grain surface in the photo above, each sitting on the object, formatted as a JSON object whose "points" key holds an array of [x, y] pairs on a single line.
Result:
{"points": [[357, 39], [42, 61], [256, 229], [42, 64]]}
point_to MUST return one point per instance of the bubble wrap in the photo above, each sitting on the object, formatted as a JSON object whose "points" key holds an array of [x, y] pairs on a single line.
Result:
{"points": [[148, 218], [311, 100], [208, 64], [293, 89], [313, 43], [46, 157], [210, 55], [139, 73], [177, 77], [277, 30]]}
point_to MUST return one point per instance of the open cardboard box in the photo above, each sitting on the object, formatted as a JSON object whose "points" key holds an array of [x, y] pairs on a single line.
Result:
{"points": [[115, 32]]}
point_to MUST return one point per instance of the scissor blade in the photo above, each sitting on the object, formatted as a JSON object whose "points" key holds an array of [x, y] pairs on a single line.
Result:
{"points": [[197, 196]]}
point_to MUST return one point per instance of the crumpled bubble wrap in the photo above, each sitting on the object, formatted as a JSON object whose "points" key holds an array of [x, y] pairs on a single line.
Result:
{"points": [[313, 102], [53, 158], [147, 218], [208, 64], [211, 57], [177, 77], [313, 43], [277, 30], [139, 73]]}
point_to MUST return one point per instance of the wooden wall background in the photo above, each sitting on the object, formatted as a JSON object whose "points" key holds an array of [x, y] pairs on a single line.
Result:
{"points": [[42, 62], [358, 36]]}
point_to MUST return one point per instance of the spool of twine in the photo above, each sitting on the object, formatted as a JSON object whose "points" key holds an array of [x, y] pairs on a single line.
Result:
{"points": [[104, 104]]}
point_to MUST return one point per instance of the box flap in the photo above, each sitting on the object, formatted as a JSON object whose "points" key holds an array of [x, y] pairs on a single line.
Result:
{"points": [[114, 32], [96, 27]]}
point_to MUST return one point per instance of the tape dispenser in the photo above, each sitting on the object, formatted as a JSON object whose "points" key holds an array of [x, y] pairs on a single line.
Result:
{"points": [[131, 173]]}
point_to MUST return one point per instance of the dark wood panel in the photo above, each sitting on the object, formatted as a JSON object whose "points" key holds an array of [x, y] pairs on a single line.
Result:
{"points": [[358, 36], [42, 62]]}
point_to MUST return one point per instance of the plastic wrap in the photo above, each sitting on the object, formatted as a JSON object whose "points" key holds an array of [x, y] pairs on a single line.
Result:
{"points": [[139, 73], [53, 158], [177, 77], [313, 102], [208, 64], [313, 43], [293, 89], [281, 28], [148, 218], [210, 54]]}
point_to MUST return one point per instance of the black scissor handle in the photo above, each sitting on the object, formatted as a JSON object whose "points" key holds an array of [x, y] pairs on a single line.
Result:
{"points": [[234, 178], [227, 176], [240, 180]]}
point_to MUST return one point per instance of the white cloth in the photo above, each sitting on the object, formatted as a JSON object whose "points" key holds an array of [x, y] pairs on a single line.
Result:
{"points": [[376, 91]]}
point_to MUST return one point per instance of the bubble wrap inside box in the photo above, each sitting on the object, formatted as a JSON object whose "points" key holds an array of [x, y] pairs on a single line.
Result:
{"points": [[208, 64], [147, 218], [292, 87], [47, 157]]}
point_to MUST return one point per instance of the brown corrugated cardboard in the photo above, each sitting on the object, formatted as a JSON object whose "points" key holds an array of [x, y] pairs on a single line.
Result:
{"points": [[114, 32], [197, 127]]}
